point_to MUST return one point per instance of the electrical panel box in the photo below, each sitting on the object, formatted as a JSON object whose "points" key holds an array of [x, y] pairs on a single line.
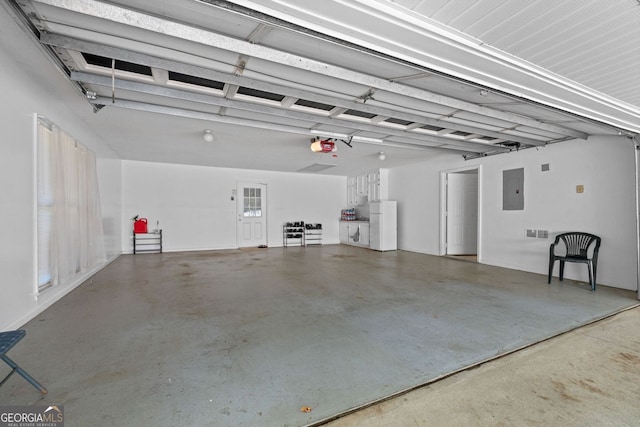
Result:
{"points": [[513, 190]]}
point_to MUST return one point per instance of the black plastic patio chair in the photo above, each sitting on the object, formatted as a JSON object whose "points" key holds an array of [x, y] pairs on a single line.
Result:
{"points": [[577, 246]]}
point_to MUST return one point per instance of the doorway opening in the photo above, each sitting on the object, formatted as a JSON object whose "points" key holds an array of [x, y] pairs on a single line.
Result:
{"points": [[461, 214]]}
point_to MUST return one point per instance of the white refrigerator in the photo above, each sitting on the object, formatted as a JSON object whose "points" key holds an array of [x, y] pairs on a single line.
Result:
{"points": [[383, 230]]}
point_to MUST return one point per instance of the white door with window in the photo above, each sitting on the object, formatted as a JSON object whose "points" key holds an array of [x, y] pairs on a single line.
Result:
{"points": [[252, 215]]}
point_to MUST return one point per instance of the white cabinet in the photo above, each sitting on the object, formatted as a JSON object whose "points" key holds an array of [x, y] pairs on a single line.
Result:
{"points": [[362, 185], [343, 232], [378, 185], [354, 233], [373, 184], [363, 231], [368, 187], [352, 191]]}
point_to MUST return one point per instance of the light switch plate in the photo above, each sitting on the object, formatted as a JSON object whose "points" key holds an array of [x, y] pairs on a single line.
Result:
{"points": [[531, 233], [543, 234]]}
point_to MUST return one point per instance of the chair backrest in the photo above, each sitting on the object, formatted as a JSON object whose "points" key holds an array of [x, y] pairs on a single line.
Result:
{"points": [[578, 243]]}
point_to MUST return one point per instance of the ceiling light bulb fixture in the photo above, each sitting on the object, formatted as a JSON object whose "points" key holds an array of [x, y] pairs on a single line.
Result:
{"points": [[208, 135], [381, 155]]}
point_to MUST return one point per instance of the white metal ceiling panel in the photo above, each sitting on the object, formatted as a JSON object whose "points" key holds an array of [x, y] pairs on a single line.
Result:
{"points": [[278, 73], [593, 42], [334, 54], [385, 97]]}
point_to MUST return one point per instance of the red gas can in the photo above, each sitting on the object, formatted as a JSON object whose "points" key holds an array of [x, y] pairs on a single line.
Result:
{"points": [[140, 225]]}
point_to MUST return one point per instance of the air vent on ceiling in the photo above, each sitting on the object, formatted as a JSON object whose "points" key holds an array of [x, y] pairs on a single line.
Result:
{"points": [[316, 167]]}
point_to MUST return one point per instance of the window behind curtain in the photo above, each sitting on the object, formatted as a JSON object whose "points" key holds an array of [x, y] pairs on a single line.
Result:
{"points": [[70, 232], [45, 202]]}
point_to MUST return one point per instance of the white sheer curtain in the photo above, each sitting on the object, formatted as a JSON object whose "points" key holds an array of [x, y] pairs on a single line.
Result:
{"points": [[45, 202], [75, 235]]}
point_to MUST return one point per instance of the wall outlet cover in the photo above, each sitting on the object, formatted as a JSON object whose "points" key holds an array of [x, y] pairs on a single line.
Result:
{"points": [[543, 234], [531, 233]]}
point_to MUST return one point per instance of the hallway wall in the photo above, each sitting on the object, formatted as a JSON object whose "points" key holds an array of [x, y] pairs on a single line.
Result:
{"points": [[603, 165]]}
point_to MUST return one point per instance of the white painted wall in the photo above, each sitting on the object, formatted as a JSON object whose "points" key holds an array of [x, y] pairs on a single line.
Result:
{"points": [[110, 181], [194, 207], [27, 90], [604, 165]]}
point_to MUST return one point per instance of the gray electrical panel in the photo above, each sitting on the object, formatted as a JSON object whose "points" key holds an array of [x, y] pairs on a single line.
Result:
{"points": [[513, 190]]}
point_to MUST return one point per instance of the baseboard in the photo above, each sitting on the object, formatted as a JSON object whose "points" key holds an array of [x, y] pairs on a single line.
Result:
{"points": [[53, 294]]}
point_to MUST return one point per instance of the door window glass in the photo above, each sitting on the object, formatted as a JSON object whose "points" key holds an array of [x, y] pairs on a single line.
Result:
{"points": [[252, 202]]}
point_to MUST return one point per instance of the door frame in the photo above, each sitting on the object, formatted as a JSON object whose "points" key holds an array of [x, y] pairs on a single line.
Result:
{"points": [[636, 146], [443, 207], [240, 199]]}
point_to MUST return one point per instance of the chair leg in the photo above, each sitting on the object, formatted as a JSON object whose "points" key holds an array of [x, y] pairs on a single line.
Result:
{"points": [[23, 373], [551, 263], [592, 280], [561, 270]]}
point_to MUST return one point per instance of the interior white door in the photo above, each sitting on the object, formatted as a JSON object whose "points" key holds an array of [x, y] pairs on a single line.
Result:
{"points": [[252, 215], [462, 213]]}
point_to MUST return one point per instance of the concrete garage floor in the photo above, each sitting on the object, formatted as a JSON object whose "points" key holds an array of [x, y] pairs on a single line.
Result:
{"points": [[587, 377], [249, 338]]}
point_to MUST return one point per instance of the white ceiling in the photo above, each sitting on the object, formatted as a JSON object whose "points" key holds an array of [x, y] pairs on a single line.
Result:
{"points": [[595, 43], [411, 78]]}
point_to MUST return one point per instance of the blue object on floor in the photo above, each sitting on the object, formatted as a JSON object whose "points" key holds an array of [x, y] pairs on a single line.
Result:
{"points": [[7, 341]]}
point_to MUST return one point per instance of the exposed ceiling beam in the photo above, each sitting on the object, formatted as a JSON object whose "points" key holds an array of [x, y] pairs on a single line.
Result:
{"points": [[236, 80], [192, 114], [178, 30], [274, 111]]}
